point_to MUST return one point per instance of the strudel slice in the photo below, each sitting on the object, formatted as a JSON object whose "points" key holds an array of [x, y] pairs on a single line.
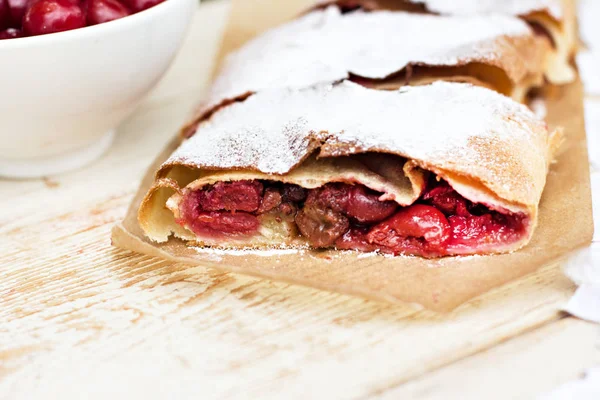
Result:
{"points": [[436, 170]]}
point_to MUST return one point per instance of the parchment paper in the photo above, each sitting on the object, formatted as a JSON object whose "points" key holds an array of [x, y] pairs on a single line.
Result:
{"points": [[441, 285]]}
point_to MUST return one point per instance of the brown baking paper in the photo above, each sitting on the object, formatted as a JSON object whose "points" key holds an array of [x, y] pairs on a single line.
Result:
{"points": [[441, 285]]}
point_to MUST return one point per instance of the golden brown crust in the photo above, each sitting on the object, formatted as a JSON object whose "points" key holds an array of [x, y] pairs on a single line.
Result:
{"points": [[565, 37], [519, 68], [558, 19]]}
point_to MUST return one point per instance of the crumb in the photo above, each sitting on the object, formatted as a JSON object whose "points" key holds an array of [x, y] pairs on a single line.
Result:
{"points": [[50, 183]]}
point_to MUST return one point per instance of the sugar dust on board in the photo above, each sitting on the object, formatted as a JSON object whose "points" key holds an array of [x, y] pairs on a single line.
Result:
{"points": [[21, 18]]}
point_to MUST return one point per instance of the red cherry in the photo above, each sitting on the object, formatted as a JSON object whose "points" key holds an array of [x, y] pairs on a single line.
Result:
{"points": [[418, 221], [356, 239], [11, 33], [225, 223], [51, 16], [417, 230], [4, 14], [365, 207], [17, 10], [140, 5], [101, 11], [231, 196], [443, 197]]}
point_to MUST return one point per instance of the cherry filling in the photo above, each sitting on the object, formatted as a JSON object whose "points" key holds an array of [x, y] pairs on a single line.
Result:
{"points": [[228, 209], [352, 217], [231, 196]]}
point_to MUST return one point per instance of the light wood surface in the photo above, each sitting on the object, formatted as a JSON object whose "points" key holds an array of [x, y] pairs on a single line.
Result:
{"points": [[81, 319]]}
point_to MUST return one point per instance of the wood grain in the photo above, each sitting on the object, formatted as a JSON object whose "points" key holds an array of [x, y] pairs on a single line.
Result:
{"points": [[81, 319], [521, 368], [90, 313]]}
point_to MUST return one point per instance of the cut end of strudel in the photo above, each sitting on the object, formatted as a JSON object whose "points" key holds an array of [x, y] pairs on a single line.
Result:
{"points": [[437, 170]]}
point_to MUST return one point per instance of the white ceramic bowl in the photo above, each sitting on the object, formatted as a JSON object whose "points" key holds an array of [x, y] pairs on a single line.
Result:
{"points": [[62, 95]]}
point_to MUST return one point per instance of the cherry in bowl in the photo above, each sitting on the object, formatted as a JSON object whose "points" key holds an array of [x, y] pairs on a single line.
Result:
{"points": [[65, 95], [20, 18]]}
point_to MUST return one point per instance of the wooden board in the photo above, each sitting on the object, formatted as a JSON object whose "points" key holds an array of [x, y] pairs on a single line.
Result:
{"points": [[81, 319]]}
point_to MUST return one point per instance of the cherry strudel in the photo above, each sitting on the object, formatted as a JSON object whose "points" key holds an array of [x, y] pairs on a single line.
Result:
{"points": [[434, 170]]}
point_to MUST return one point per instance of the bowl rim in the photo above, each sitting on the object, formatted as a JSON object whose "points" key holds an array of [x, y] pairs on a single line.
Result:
{"points": [[95, 30]]}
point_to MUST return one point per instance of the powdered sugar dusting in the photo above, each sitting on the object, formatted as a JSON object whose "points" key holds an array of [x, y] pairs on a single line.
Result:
{"points": [[232, 138], [217, 254], [509, 7], [368, 255], [538, 106], [248, 252], [457, 126], [325, 45]]}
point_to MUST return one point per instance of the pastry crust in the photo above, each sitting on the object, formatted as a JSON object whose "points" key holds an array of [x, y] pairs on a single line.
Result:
{"points": [[553, 8], [328, 46], [490, 149], [557, 17]]}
